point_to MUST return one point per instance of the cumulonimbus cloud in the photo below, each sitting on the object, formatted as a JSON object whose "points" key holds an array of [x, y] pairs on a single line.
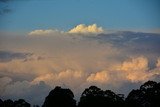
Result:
{"points": [[75, 61]]}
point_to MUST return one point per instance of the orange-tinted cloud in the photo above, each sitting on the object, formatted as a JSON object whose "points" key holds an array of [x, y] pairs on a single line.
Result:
{"points": [[82, 28]]}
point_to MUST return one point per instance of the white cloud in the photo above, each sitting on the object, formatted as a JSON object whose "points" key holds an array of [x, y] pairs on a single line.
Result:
{"points": [[44, 32], [79, 29], [82, 28]]}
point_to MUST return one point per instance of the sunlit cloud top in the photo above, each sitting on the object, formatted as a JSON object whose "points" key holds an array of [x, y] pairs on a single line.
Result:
{"points": [[79, 29], [82, 28]]}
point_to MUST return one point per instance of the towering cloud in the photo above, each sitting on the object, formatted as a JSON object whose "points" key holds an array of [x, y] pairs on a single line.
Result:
{"points": [[82, 28]]}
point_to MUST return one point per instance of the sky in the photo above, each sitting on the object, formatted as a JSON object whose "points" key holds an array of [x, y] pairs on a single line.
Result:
{"points": [[28, 15], [75, 44]]}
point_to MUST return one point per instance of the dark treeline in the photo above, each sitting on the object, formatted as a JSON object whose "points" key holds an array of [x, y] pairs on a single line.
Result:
{"points": [[148, 95]]}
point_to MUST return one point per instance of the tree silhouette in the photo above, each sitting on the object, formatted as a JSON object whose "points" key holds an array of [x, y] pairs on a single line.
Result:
{"points": [[21, 103], [113, 99], [147, 96], [1, 103], [92, 96], [134, 99], [95, 97], [60, 98], [35, 105], [10, 103]]}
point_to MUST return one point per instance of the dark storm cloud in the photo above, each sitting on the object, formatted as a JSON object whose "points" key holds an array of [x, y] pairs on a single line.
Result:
{"points": [[6, 56]]}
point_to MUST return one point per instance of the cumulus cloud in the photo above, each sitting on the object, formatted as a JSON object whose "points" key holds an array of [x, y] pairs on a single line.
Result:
{"points": [[133, 70], [82, 28], [139, 63], [79, 29], [69, 78], [100, 77], [137, 69]]}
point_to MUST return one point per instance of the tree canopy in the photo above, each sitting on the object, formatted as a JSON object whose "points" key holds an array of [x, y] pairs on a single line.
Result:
{"points": [[60, 98], [148, 95]]}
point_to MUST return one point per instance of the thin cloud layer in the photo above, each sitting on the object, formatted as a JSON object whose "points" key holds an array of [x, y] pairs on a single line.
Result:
{"points": [[44, 32]]}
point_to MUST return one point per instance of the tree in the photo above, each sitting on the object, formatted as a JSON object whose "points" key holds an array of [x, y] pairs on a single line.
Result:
{"points": [[148, 85], [135, 99], [35, 105], [21, 103], [91, 97], [1, 103], [8, 103], [60, 98], [113, 100], [147, 96], [95, 97]]}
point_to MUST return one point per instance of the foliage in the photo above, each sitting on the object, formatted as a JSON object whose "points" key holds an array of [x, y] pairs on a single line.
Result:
{"points": [[148, 95]]}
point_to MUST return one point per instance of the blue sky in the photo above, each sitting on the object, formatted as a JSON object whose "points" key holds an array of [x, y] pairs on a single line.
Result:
{"points": [[27, 15]]}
